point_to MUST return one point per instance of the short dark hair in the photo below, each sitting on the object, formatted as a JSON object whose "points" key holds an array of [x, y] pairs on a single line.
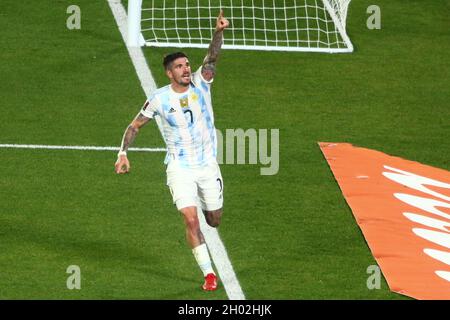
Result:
{"points": [[168, 59]]}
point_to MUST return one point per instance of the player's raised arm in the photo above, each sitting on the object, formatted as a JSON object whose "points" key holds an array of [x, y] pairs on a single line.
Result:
{"points": [[209, 64], [122, 164]]}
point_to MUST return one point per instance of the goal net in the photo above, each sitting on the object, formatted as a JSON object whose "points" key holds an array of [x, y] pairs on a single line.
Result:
{"points": [[280, 25]]}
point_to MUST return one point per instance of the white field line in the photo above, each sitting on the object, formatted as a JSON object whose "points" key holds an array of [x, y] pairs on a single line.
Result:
{"points": [[212, 238], [95, 148]]}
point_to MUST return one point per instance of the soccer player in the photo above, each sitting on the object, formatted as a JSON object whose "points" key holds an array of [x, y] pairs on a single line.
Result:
{"points": [[187, 126]]}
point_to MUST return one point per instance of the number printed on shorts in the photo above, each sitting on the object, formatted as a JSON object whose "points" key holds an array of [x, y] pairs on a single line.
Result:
{"points": [[220, 184]]}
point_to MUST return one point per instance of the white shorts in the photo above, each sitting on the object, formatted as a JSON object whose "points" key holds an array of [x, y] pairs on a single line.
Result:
{"points": [[188, 185]]}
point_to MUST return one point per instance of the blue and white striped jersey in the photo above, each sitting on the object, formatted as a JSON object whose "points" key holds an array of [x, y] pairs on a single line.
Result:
{"points": [[187, 122]]}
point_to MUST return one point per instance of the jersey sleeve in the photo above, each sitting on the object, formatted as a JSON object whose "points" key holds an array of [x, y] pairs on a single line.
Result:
{"points": [[150, 107], [200, 82]]}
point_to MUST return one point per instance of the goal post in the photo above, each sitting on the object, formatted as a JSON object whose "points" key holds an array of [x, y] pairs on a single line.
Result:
{"points": [[272, 25], [134, 35]]}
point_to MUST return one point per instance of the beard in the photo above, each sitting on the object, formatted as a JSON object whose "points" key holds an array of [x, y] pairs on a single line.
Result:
{"points": [[183, 83]]}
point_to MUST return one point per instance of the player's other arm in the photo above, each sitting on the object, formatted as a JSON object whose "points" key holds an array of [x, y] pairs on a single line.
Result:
{"points": [[209, 63], [122, 164]]}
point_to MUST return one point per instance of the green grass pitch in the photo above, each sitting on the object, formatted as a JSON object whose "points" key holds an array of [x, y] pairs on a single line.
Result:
{"points": [[289, 236]]}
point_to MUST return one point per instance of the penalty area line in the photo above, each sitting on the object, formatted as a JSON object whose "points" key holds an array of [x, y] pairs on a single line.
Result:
{"points": [[94, 148]]}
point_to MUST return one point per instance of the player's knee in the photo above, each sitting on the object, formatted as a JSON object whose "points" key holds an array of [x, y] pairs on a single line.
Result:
{"points": [[192, 223], [213, 217], [191, 219]]}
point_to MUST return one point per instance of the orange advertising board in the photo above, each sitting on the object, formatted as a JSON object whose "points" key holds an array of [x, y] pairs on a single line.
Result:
{"points": [[403, 210]]}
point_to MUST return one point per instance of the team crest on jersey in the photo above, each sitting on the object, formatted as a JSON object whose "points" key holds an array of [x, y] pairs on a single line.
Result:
{"points": [[184, 102]]}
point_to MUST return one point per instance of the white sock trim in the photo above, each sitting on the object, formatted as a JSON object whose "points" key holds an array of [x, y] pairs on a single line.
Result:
{"points": [[203, 260]]}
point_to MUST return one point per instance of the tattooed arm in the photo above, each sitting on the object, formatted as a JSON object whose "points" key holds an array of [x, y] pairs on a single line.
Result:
{"points": [[209, 64], [122, 164]]}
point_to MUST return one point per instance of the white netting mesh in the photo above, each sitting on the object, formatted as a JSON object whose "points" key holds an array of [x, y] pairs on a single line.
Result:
{"points": [[300, 25]]}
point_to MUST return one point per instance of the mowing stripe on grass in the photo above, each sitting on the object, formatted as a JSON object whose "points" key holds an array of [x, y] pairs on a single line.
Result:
{"points": [[53, 147], [212, 238]]}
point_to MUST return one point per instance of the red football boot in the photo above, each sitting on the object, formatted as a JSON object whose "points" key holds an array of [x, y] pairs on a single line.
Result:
{"points": [[210, 282]]}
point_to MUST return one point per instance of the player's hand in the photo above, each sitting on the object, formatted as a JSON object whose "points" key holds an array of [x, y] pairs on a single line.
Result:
{"points": [[222, 22], [122, 165]]}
